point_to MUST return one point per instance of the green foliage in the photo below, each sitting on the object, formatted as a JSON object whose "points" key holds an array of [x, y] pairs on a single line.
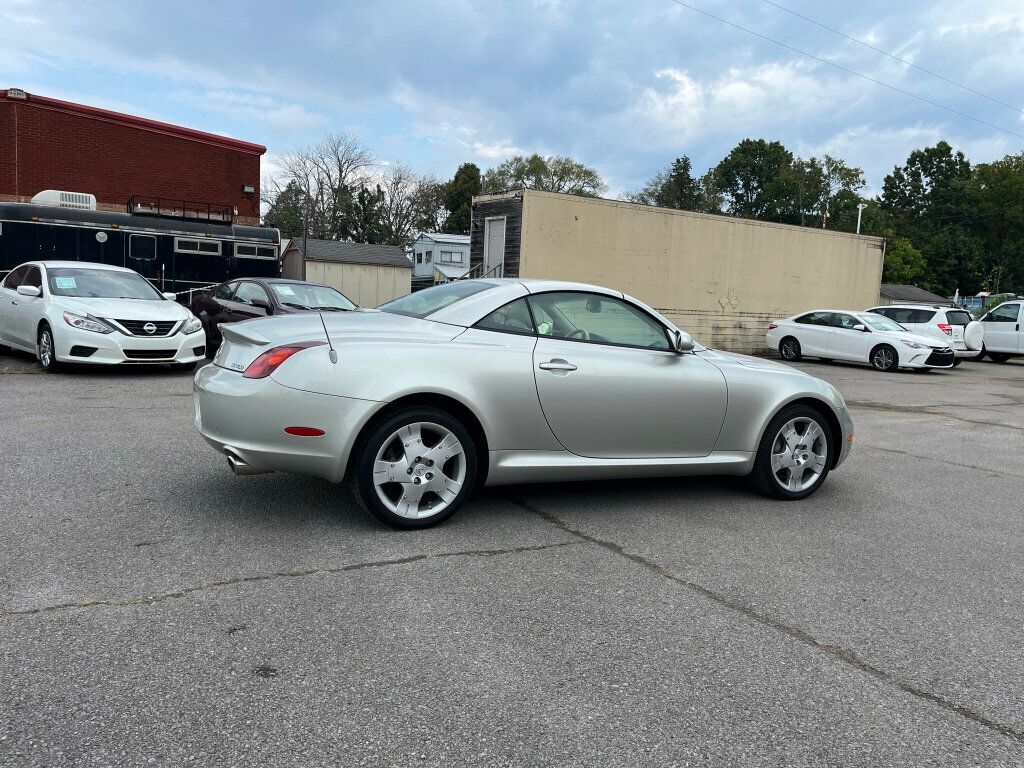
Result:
{"points": [[286, 211], [673, 188], [458, 198], [904, 264], [550, 174]]}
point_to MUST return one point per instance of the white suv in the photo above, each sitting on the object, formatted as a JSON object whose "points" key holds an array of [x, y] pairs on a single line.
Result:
{"points": [[953, 326]]}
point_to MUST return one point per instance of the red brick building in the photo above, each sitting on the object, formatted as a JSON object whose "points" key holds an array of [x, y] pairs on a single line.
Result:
{"points": [[50, 144]]}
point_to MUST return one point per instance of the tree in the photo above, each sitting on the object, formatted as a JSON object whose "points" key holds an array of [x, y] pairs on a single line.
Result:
{"points": [[757, 182], [410, 204], [904, 264], [673, 188], [331, 172], [458, 199], [364, 219], [286, 211], [550, 174]]}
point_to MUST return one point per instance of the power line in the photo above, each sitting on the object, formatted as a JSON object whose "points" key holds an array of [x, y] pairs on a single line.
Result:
{"points": [[849, 71], [894, 57]]}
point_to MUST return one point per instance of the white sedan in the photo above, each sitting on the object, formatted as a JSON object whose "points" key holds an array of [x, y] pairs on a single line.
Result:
{"points": [[858, 336], [80, 312]]}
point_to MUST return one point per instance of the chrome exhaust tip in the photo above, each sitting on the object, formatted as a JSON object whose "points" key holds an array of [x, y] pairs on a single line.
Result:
{"points": [[239, 467]]}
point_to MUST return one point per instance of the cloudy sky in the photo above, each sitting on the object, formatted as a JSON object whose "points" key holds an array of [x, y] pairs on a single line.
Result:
{"points": [[623, 85]]}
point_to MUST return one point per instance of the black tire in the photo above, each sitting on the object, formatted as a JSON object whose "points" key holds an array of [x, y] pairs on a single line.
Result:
{"points": [[764, 479], [957, 361], [998, 357], [884, 358], [48, 362], [379, 434], [789, 348], [184, 367]]}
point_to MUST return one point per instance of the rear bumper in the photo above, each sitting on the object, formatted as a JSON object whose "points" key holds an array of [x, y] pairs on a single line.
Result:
{"points": [[247, 417], [77, 346]]}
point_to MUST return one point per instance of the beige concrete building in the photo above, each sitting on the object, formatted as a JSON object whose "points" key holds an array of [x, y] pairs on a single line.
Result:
{"points": [[721, 278], [370, 275]]}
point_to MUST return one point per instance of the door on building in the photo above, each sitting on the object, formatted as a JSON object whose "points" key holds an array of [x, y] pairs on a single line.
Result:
{"points": [[494, 246]]}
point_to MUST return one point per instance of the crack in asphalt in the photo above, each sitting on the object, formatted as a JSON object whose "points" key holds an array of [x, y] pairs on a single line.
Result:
{"points": [[976, 467], [844, 655], [231, 582], [925, 411]]}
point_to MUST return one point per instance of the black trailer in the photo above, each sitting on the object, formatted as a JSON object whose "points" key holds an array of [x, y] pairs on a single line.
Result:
{"points": [[176, 245]]}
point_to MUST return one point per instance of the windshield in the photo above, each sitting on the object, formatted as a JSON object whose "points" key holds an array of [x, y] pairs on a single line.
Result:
{"points": [[880, 323], [86, 283], [428, 301], [309, 296]]}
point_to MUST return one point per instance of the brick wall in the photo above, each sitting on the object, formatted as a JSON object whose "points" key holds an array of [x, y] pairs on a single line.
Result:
{"points": [[82, 153]]}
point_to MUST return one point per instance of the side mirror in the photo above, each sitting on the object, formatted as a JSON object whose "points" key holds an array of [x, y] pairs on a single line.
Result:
{"points": [[262, 304], [860, 327], [681, 341], [29, 290], [170, 296]]}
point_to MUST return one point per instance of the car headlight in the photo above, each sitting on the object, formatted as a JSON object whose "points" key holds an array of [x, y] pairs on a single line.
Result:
{"points": [[914, 344], [85, 323], [191, 325]]}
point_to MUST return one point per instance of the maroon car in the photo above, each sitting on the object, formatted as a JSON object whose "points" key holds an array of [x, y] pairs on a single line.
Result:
{"points": [[249, 297]]}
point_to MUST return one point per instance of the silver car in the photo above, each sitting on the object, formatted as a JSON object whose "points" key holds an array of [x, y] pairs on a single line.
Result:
{"points": [[486, 382]]}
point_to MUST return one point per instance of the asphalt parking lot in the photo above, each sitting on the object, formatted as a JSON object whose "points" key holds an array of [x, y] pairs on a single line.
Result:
{"points": [[155, 609]]}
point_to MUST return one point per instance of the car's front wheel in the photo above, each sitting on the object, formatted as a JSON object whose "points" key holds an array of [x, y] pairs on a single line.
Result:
{"points": [[998, 357], [414, 468], [795, 454], [47, 350], [884, 358]]}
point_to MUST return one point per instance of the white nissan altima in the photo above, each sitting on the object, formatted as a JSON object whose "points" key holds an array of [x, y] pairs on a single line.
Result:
{"points": [[856, 336], [80, 312]]}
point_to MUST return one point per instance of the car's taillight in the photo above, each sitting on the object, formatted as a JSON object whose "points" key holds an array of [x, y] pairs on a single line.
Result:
{"points": [[946, 328], [772, 327], [267, 363]]}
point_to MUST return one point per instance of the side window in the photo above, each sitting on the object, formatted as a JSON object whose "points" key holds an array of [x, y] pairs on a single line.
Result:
{"points": [[249, 291], [514, 317], [15, 278], [142, 247], [225, 291], [1004, 313], [33, 277], [846, 321], [596, 318], [922, 315], [883, 311], [815, 318], [428, 256]]}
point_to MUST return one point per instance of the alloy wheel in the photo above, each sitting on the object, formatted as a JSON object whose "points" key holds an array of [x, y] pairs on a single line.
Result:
{"points": [[799, 454], [419, 470], [884, 359], [789, 350], [45, 348]]}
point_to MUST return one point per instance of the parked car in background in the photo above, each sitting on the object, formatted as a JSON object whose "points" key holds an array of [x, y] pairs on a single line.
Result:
{"points": [[507, 381], [80, 312], [1003, 336], [955, 327], [250, 297], [863, 337]]}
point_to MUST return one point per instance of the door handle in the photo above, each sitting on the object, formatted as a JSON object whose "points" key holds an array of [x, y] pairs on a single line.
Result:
{"points": [[14, 303], [557, 365]]}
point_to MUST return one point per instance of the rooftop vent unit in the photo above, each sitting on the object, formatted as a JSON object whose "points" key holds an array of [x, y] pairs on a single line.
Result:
{"points": [[79, 200]]}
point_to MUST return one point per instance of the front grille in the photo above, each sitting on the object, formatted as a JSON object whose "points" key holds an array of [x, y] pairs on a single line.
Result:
{"points": [[137, 327], [149, 354], [940, 357], [80, 351]]}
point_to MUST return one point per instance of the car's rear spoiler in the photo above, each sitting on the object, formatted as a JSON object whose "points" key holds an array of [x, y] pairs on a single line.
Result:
{"points": [[232, 332]]}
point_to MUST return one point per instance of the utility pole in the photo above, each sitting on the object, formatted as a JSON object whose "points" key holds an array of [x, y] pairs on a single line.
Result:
{"points": [[860, 210], [305, 231]]}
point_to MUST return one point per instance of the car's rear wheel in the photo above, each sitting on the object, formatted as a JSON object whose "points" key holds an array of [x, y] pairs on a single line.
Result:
{"points": [[998, 357], [789, 348], [794, 456], [414, 468], [46, 350], [884, 358]]}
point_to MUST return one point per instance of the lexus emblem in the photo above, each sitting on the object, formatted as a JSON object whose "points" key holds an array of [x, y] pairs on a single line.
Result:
{"points": [[149, 328]]}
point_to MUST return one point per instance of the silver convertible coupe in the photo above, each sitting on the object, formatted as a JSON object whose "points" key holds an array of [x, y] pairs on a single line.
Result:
{"points": [[485, 382]]}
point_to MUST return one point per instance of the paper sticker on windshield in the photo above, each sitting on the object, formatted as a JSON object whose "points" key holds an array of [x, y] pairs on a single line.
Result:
{"points": [[65, 282], [284, 290]]}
